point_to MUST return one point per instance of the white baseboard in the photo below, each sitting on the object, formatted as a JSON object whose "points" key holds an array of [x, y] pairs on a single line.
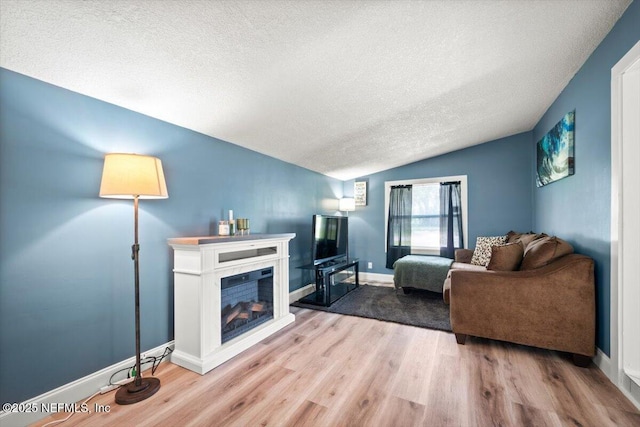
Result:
{"points": [[362, 277], [603, 362], [301, 293], [632, 392], [376, 277], [72, 392]]}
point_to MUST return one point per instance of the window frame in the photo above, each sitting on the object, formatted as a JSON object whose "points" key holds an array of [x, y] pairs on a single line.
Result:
{"points": [[420, 181]]}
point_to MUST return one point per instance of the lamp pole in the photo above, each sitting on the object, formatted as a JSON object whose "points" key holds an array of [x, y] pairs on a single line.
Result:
{"points": [[140, 388], [135, 253]]}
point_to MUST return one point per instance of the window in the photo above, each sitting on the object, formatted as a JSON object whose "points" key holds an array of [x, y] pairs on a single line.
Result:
{"points": [[425, 216], [425, 212]]}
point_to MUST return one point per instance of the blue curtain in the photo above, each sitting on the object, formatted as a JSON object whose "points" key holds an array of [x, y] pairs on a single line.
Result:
{"points": [[399, 224], [450, 219]]}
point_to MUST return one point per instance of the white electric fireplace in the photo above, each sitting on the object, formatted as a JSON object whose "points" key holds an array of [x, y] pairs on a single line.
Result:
{"points": [[230, 293]]}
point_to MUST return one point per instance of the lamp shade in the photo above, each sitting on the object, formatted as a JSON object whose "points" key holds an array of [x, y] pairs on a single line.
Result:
{"points": [[347, 204], [127, 175]]}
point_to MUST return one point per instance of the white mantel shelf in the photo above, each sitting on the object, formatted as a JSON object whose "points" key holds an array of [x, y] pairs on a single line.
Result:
{"points": [[203, 240], [200, 263]]}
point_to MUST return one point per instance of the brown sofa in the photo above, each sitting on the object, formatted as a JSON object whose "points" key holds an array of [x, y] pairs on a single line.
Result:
{"points": [[550, 306]]}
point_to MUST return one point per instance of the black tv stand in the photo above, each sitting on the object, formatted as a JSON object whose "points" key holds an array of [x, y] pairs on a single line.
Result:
{"points": [[334, 279]]}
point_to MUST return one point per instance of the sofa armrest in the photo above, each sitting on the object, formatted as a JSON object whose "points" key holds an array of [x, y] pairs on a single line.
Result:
{"points": [[551, 307], [463, 255]]}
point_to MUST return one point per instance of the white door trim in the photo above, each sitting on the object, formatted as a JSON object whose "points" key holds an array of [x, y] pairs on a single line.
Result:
{"points": [[617, 375]]}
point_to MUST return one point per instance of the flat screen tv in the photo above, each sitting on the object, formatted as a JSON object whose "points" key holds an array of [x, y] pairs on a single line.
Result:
{"points": [[330, 238]]}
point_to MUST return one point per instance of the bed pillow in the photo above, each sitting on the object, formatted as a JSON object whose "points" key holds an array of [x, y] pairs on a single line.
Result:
{"points": [[482, 252], [506, 257]]}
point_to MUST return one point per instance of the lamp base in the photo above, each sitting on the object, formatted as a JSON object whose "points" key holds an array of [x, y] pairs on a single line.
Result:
{"points": [[133, 394]]}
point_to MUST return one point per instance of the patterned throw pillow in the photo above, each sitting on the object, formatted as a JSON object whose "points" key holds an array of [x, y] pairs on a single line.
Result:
{"points": [[482, 252]]}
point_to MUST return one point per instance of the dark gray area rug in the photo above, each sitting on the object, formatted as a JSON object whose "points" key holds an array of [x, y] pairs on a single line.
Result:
{"points": [[419, 308]]}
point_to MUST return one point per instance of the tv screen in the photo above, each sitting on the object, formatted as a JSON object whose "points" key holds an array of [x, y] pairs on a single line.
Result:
{"points": [[330, 238]]}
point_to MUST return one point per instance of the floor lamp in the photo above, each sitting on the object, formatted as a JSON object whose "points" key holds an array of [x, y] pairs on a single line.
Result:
{"points": [[347, 204], [132, 176]]}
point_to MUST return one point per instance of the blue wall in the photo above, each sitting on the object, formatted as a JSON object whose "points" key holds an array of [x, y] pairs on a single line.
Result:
{"points": [[499, 181], [66, 276], [578, 208]]}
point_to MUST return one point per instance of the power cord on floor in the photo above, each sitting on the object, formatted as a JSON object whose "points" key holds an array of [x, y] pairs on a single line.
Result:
{"points": [[156, 363], [156, 360], [71, 413]]}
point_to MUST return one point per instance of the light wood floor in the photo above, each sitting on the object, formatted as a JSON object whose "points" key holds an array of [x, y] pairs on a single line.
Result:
{"points": [[333, 370]]}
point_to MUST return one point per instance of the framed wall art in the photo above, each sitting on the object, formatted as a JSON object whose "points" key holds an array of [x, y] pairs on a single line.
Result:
{"points": [[555, 157], [360, 193]]}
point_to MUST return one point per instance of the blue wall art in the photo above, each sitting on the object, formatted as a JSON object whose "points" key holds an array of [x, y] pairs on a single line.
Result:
{"points": [[555, 152]]}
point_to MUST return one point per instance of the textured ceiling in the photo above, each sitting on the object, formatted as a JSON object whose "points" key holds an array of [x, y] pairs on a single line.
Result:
{"points": [[345, 88]]}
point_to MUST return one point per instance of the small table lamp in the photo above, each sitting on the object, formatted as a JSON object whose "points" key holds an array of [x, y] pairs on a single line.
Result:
{"points": [[132, 176]]}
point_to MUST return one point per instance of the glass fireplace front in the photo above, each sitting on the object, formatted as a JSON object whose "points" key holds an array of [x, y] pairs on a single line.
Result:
{"points": [[246, 302]]}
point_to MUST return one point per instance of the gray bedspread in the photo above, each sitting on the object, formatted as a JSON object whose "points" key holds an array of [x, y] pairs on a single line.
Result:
{"points": [[421, 271]]}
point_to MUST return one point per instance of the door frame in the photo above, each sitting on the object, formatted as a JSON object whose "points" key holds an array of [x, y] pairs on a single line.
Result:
{"points": [[616, 369]]}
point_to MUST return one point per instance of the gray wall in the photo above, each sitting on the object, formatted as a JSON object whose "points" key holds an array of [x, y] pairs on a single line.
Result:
{"points": [[66, 276], [499, 180], [578, 208]]}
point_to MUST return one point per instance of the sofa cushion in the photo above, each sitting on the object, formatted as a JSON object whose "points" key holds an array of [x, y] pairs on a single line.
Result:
{"points": [[465, 266], [446, 288], [482, 252], [506, 257], [463, 255], [543, 251], [523, 238], [513, 235]]}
